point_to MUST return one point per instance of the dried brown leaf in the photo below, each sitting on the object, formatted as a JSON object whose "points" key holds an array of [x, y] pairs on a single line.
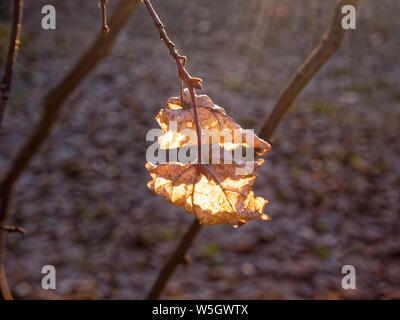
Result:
{"points": [[212, 118], [215, 193]]}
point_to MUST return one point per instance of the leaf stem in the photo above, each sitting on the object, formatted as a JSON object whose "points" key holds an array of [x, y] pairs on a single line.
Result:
{"points": [[192, 83], [180, 60], [197, 121]]}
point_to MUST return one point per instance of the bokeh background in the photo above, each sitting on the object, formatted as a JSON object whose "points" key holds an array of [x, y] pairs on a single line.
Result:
{"points": [[332, 176]]}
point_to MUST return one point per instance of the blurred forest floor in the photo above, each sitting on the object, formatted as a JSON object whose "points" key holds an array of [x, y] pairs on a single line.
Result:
{"points": [[332, 176]]}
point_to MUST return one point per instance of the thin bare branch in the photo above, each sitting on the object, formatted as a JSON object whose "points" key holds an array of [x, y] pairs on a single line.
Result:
{"points": [[13, 229], [103, 5], [5, 85], [329, 43], [52, 106], [177, 258]]}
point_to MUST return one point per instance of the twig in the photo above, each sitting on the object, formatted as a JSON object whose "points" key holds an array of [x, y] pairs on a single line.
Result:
{"points": [[192, 83], [327, 46], [180, 60], [5, 292], [15, 36], [13, 229], [105, 28], [177, 258], [52, 106]]}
